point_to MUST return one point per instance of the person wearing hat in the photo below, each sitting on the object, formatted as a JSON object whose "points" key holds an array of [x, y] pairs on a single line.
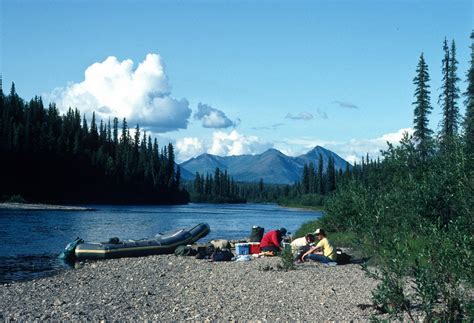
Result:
{"points": [[271, 241], [323, 252]]}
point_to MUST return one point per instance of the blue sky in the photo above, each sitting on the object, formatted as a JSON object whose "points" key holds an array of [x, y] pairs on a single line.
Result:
{"points": [[232, 77]]}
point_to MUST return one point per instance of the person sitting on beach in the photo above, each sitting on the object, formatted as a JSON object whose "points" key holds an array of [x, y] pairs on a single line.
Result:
{"points": [[323, 252], [271, 241], [302, 243]]}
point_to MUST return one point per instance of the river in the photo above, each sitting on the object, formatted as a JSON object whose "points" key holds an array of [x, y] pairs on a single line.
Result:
{"points": [[31, 240]]}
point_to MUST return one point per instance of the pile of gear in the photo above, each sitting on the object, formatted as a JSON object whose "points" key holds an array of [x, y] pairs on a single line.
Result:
{"points": [[272, 243]]}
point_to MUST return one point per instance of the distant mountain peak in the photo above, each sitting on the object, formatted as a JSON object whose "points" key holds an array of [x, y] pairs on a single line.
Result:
{"points": [[318, 148], [272, 151], [272, 166]]}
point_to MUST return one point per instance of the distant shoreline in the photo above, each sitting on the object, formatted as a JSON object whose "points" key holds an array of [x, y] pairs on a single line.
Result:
{"points": [[42, 207]]}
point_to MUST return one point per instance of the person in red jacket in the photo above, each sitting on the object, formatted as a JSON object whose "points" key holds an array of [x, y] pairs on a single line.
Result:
{"points": [[271, 241]]}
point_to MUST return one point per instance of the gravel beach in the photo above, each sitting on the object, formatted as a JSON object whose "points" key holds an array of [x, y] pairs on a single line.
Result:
{"points": [[42, 207], [170, 288]]}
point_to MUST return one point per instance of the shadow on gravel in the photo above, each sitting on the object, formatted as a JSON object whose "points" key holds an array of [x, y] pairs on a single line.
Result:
{"points": [[360, 261]]}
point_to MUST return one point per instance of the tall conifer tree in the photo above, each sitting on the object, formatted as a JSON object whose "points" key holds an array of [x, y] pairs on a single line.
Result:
{"points": [[469, 102], [331, 175], [454, 89], [444, 96], [321, 184], [422, 108], [450, 92]]}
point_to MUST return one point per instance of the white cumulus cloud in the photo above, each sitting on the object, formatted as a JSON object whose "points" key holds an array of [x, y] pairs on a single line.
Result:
{"points": [[213, 118], [352, 150], [234, 143], [113, 88], [222, 144], [188, 147]]}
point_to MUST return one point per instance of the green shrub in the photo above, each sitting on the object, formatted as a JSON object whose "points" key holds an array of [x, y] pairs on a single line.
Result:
{"points": [[413, 219], [287, 260]]}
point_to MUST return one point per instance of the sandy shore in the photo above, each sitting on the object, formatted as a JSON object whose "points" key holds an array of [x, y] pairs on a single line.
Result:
{"points": [[42, 207], [170, 288]]}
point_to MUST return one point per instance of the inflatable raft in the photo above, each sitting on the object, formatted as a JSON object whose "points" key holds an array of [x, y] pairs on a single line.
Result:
{"points": [[163, 243]]}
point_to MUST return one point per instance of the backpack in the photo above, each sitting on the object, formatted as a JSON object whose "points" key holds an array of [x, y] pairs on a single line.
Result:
{"points": [[184, 251], [256, 234], [342, 257], [205, 251], [222, 255]]}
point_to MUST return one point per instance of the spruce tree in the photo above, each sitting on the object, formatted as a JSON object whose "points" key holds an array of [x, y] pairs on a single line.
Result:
{"points": [[94, 135], [85, 127], [124, 139], [331, 175], [115, 136], [444, 95], [305, 179], [469, 102], [197, 182], [170, 175], [450, 93], [423, 108], [109, 132], [454, 89], [177, 181], [321, 184]]}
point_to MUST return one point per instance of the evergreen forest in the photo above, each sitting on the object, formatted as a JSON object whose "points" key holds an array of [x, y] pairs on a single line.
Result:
{"points": [[411, 213], [48, 157]]}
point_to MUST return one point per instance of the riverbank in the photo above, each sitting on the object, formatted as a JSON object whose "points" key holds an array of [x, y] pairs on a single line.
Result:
{"points": [[169, 288], [42, 207]]}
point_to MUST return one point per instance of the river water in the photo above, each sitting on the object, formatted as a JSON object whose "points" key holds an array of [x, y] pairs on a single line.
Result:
{"points": [[30, 241]]}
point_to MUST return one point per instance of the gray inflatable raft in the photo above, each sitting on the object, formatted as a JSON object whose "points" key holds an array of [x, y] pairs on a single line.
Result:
{"points": [[161, 244]]}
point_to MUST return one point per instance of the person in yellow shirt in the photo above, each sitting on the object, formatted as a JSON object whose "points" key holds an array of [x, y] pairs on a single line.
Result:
{"points": [[323, 252]]}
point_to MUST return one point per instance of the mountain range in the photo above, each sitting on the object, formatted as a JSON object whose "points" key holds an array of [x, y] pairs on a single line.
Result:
{"points": [[272, 166]]}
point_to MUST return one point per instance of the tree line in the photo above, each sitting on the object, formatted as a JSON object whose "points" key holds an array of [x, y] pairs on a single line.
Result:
{"points": [[411, 212], [49, 157], [217, 188], [311, 190]]}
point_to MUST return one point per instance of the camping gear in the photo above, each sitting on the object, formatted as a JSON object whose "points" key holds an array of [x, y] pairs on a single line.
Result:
{"points": [[220, 244], [255, 248], [342, 257], [222, 255], [205, 251], [256, 234], [243, 258], [163, 243], [242, 249], [185, 251]]}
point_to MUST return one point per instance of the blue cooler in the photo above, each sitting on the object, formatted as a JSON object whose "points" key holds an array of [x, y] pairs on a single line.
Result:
{"points": [[242, 249]]}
